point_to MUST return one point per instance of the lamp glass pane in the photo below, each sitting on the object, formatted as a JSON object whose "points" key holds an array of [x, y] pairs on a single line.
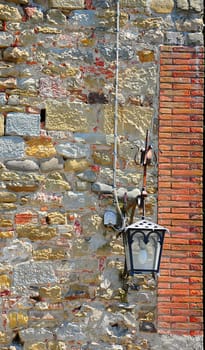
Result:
{"points": [[145, 255], [127, 253]]}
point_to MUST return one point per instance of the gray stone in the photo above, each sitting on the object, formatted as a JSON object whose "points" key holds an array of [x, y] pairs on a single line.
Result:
{"points": [[94, 138], [35, 334], [33, 274], [77, 200], [56, 17], [103, 3], [70, 331], [73, 150], [52, 164], [102, 188], [174, 38], [194, 5], [87, 175], [29, 84], [195, 39], [6, 39], [16, 251], [82, 18], [22, 165], [66, 5], [2, 99], [182, 4], [176, 342], [11, 147], [14, 100], [15, 54], [23, 124]]}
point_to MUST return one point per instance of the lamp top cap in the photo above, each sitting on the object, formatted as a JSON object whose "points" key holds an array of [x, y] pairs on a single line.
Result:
{"points": [[146, 225]]}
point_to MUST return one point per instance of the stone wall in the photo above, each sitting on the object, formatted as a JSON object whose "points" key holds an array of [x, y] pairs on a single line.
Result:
{"points": [[60, 267]]}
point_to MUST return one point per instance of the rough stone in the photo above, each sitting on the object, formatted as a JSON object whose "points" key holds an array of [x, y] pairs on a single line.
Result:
{"points": [[51, 293], [9, 13], [75, 165], [68, 116], [161, 6], [192, 5], [6, 39], [16, 252], [17, 319], [195, 39], [40, 148], [22, 165], [75, 151], [78, 200], [15, 54], [33, 273], [23, 124], [87, 175], [52, 164], [49, 254], [35, 233], [8, 197], [56, 218], [65, 5], [53, 185], [2, 99], [1, 125], [11, 147], [5, 282]]}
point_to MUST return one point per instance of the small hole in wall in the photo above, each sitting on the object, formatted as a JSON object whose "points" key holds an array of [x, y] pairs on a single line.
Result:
{"points": [[43, 118]]}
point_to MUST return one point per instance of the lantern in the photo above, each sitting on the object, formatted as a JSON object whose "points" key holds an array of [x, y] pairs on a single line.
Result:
{"points": [[143, 242]]}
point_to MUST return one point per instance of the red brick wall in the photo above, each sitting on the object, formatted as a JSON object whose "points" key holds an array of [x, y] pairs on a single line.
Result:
{"points": [[180, 189]]}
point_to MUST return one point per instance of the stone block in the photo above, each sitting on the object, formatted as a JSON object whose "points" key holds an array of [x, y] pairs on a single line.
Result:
{"points": [[17, 319], [76, 165], [36, 233], [40, 148], [7, 197], [52, 87], [6, 39], [133, 3], [33, 274], [52, 164], [79, 200], [9, 13], [49, 254], [67, 116], [66, 5], [22, 165], [2, 99], [15, 54], [23, 124], [11, 147], [162, 6], [5, 282], [82, 18], [7, 83], [73, 150], [1, 125], [56, 218]]}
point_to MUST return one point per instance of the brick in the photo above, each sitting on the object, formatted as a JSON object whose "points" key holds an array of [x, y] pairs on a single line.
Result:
{"points": [[180, 92], [191, 61], [186, 111]]}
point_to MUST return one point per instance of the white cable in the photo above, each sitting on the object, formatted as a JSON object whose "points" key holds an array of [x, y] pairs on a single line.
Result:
{"points": [[116, 116]]}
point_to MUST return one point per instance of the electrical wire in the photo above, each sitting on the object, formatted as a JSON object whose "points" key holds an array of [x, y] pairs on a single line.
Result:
{"points": [[116, 118]]}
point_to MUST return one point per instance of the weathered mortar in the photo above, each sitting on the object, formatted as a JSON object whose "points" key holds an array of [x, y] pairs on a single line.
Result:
{"points": [[60, 268]]}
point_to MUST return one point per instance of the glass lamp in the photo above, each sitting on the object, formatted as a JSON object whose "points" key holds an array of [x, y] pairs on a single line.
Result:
{"points": [[143, 242]]}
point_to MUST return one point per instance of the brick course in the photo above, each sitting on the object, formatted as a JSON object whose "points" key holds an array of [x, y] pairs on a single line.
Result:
{"points": [[180, 190]]}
